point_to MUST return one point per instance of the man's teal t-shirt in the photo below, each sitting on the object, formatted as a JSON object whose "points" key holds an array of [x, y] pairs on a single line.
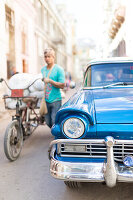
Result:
{"points": [[57, 74]]}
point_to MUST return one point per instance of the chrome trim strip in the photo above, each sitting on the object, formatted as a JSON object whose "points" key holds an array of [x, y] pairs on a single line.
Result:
{"points": [[83, 156], [107, 86], [85, 141], [110, 60], [76, 141]]}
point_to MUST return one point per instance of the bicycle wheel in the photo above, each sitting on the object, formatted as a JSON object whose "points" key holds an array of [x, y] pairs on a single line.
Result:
{"points": [[13, 140]]}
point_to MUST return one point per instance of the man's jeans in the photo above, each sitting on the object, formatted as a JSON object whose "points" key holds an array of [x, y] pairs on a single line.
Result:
{"points": [[52, 110]]}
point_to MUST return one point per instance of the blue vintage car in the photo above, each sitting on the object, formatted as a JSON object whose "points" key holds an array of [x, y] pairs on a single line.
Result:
{"points": [[94, 128]]}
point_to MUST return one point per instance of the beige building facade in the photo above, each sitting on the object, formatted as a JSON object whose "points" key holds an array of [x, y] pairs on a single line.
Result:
{"points": [[118, 15], [26, 29]]}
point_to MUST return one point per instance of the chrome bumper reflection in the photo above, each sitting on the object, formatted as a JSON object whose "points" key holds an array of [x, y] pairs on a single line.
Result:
{"points": [[77, 171], [109, 172]]}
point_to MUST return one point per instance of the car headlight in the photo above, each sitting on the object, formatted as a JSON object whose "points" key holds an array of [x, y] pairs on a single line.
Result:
{"points": [[74, 127]]}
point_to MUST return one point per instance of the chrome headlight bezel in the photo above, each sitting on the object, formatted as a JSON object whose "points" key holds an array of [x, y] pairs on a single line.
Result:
{"points": [[75, 135]]}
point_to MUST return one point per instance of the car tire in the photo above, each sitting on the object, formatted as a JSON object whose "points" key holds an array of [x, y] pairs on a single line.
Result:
{"points": [[73, 184]]}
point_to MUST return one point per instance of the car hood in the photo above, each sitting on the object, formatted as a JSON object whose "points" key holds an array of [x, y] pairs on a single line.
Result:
{"points": [[114, 105]]}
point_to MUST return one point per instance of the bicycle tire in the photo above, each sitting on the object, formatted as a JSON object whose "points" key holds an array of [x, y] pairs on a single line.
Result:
{"points": [[13, 140]]}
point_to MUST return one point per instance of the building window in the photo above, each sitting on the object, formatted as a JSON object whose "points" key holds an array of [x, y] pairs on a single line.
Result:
{"points": [[25, 66], [39, 9], [24, 41], [40, 46], [24, 37], [51, 27], [45, 19], [10, 42]]}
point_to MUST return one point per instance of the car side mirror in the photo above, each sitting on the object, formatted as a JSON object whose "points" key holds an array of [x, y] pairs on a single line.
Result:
{"points": [[72, 85]]}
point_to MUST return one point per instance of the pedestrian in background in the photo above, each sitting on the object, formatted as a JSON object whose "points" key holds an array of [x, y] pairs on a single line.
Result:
{"points": [[55, 82]]}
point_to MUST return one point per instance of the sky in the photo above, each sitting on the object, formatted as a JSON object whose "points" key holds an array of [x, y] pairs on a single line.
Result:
{"points": [[88, 14]]}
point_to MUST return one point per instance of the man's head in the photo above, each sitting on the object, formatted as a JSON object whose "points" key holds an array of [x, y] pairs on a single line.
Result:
{"points": [[49, 56]]}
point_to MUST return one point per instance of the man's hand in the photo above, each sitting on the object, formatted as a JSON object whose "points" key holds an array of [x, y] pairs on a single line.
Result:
{"points": [[54, 83], [46, 80]]}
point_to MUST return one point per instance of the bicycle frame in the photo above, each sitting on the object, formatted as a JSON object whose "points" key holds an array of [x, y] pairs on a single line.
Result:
{"points": [[23, 115]]}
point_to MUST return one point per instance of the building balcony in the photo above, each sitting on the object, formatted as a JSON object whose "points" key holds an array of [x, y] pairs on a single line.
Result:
{"points": [[119, 18]]}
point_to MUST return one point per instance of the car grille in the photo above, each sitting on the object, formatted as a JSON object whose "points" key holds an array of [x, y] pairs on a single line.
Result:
{"points": [[98, 151], [121, 150]]}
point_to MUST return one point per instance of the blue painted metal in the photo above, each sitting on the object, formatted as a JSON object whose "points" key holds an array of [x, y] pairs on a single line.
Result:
{"points": [[72, 159], [114, 105], [80, 103], [104, 111]]}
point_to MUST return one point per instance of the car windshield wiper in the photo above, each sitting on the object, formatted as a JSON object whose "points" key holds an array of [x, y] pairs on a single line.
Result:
{"points": [[118, 83]]}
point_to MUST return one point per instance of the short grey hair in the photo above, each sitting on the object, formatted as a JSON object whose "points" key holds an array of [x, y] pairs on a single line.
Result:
{"points": [[49, 51]]}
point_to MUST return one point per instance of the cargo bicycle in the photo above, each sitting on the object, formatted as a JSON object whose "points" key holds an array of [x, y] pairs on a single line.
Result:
{"points": [[24, 122]]}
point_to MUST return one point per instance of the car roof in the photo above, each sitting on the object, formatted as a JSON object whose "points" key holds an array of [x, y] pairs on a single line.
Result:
{"points": [[110, 60]]}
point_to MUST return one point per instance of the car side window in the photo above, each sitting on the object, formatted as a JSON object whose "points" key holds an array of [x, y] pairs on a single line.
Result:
{"points": [[87, 81]]}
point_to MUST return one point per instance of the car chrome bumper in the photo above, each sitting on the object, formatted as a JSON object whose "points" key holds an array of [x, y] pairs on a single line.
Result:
{"points": [[109, 172]]}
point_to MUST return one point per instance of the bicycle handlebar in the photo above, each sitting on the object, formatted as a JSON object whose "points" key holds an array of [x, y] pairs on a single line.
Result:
{"points": [[33, 82], [2, 79]]}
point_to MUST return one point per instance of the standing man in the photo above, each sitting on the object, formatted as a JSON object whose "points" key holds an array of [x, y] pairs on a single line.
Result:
{"points": [[55, 81]]}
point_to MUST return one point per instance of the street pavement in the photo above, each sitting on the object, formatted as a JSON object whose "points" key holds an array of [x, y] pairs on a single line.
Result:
{"points": [[28, 178]]}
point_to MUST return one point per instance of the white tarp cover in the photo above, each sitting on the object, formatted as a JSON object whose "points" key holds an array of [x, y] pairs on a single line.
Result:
{"points": [[23, 81]]}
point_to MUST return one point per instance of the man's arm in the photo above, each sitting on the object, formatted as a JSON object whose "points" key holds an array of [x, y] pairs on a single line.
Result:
{"points": [[54, 83]]}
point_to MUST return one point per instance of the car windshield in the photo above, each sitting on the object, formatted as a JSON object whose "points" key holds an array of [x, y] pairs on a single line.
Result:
{"points": [[106, 74]]}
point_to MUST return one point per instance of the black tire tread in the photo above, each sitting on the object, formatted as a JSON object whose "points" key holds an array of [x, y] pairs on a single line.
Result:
{"points": [[73, 184], [7, 153]]}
